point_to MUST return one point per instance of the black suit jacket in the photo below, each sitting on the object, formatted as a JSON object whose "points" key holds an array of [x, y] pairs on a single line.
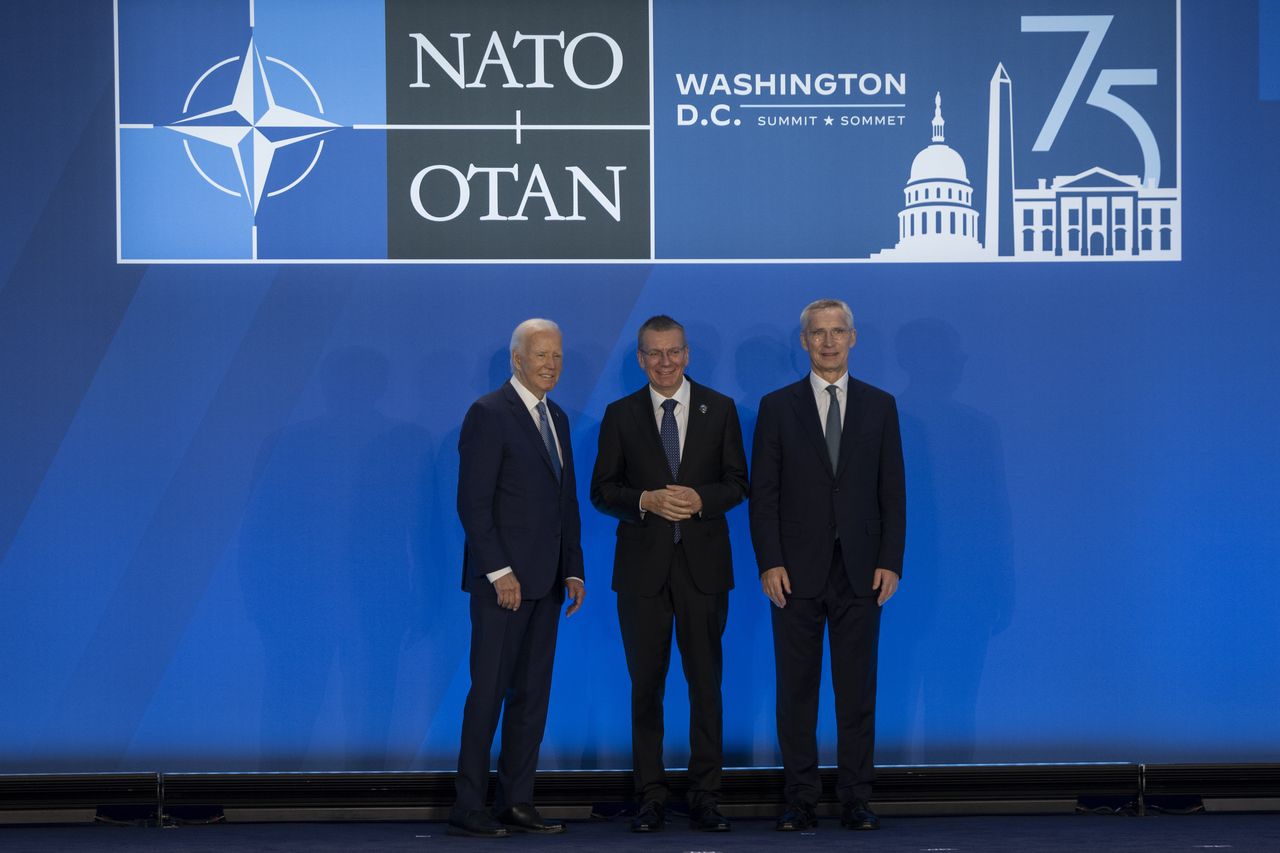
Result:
{"points": [[512, 509], [631, 460], [798, 504]]}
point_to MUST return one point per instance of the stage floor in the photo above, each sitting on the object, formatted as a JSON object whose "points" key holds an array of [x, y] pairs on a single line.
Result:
{"points": [[1236, 833]]}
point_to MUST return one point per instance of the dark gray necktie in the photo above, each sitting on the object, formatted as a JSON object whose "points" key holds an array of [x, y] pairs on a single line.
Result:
{"points": [[544, 426], [670, 435], [833, 427]]}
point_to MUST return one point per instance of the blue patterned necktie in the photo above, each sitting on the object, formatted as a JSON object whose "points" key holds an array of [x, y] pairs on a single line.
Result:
{"points": [[833, 427], [670, 434], [544, 426]]}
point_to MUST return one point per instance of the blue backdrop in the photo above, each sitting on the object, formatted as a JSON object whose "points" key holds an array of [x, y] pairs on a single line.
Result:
{"points": [[227, 535]]}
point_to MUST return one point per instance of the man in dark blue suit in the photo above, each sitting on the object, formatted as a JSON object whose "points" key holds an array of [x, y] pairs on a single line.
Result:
{"points": [[518, 504], [828, 522], [670, 465]]}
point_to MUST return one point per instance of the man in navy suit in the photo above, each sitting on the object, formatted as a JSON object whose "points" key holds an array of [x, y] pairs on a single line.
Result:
{"points": [[828, 522], [518, 505], [670, 465]]}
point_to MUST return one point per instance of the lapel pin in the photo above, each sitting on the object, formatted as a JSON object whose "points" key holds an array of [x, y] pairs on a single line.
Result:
{"points": [[702, 408]]}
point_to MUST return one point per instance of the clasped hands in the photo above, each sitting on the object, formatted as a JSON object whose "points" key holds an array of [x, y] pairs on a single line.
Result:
{"points": [[674, 503]]}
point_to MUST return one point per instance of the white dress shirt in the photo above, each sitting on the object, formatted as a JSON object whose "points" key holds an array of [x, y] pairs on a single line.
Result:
{"points": [[531, 403], [682, 409]]}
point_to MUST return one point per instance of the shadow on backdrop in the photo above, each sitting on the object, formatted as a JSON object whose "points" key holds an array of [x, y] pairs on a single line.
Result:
{"points": [[958, 581], [764, 361], [328, 553]]}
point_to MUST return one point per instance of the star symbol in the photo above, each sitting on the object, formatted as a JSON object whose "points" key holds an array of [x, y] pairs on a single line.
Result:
{"points": [[828, 121], [240, 128]]}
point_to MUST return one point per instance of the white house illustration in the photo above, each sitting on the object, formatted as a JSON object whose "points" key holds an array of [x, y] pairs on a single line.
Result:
{"points": [[938, 221], [1096, 213]]}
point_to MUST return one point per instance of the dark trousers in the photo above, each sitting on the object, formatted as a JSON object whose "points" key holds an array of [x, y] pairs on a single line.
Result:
{"points": [[512, 653], [699, 620], [853, 623]]}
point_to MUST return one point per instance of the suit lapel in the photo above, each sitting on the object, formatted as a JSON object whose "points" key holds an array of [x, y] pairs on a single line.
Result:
{"points": [[525, 424], [807, 414], [696, 432], [645, 417], [562, 432], [852, 424]]}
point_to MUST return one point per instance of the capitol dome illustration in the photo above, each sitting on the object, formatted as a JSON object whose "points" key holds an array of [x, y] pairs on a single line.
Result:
{"points": [[938, 221]]}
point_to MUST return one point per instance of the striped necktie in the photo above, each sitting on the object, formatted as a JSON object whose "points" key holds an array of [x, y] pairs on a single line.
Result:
{"points": [[544, 426]]}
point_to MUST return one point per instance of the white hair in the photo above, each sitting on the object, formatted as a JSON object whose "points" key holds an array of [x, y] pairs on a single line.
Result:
{"points": [[526, 330], [823, 305]]}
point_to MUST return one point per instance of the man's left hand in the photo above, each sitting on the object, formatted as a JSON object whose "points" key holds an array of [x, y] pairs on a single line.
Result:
{"points": [[689, 495], [577, 592], [887, 582]]}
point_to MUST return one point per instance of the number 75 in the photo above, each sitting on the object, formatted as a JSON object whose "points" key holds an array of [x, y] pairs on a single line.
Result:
{"points": [[1095, 27]]}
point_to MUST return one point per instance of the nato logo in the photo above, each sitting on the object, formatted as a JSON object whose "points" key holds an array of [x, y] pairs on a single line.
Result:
{"points": [[252, 126], [381, 130]]}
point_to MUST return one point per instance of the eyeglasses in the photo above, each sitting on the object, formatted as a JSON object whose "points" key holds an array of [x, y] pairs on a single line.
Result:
{"points": [[657, 354], [821, 335]]}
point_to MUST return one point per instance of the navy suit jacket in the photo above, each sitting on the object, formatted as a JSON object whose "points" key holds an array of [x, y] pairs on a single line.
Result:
{"points": [[798, 504], [512, 509], [630, 460]]}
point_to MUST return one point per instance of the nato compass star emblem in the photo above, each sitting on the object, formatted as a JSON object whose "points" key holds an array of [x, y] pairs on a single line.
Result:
{"points": [[252, 127]]}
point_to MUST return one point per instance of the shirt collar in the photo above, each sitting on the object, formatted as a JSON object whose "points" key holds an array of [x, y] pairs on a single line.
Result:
{"points": [[820, 385], [526, 396], [681, 396]]}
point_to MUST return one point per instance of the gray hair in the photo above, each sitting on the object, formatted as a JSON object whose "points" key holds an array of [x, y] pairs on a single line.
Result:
{"points": [[823, 305], [526, 330]]}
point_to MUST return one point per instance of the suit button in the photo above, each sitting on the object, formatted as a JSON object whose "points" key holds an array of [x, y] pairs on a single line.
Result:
{"points": [[837, 490]]}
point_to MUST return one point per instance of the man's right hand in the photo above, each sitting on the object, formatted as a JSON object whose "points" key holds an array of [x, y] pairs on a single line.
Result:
{"points": [[508, 589], [775, 583], [668, 503]]}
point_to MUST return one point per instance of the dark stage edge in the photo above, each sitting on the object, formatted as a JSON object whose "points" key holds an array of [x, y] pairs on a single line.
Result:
{"points": [[1049, 834], [937, 790]]}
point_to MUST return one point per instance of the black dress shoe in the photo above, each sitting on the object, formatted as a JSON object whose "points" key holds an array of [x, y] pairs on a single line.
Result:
{"points": [[708, 819], [856, 814], [798, 816], [523, 817], [649, 818], [477, 824]]}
